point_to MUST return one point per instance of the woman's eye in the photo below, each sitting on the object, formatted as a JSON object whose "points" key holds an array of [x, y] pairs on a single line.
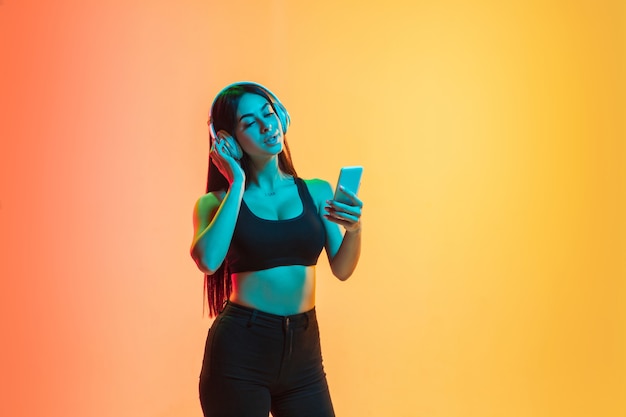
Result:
{"points": [[247, 125]]}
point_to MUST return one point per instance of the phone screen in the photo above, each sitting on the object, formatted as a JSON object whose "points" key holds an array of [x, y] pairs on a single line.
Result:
{"points": [[350, 179]]}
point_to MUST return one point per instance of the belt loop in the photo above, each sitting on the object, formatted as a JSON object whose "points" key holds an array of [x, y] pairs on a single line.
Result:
{"points": [[252, 318]]}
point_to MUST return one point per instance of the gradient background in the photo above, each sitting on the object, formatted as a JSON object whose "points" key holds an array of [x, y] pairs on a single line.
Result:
{"points": [[493, 135]]}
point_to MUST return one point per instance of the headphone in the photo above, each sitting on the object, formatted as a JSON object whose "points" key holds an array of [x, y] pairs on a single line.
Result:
{"points": [[279, 109]]}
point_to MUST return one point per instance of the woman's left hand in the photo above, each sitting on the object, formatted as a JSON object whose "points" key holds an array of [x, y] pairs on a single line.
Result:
{"points": [[347, 214]]}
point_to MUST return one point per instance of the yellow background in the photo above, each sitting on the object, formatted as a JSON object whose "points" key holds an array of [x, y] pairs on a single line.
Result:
{"points": [[493, 136]]}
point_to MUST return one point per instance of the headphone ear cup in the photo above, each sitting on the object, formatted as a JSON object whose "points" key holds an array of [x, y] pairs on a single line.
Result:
{"points": [[231, 144], [283, 115], [233, 147]]}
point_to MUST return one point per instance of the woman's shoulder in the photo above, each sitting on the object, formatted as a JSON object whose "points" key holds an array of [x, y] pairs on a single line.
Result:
{"points": [[210, 199], [320, 189]]}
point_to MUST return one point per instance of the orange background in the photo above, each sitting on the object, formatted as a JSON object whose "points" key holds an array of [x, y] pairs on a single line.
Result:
{"points": [[493, 136]]}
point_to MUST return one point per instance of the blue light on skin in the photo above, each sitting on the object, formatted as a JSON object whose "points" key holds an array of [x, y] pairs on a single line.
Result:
{"points": [[258, 129]]}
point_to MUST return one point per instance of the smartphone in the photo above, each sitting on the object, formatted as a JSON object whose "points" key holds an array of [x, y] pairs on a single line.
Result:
{"points": [[350, 179]]}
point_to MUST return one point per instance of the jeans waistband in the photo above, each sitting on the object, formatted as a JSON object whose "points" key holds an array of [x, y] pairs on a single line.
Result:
{"points": [[291, 321]]}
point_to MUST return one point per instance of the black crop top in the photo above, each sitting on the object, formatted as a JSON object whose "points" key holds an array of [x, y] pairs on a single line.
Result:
{"points": [[262, 244]]}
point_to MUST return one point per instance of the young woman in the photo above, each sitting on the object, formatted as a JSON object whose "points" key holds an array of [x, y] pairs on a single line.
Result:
{"points": [[258, 233]]}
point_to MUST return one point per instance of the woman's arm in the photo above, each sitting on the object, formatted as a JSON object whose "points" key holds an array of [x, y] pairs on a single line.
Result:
{"points": [[215, 216], [344, 262], [343, 250], [214, 223]]}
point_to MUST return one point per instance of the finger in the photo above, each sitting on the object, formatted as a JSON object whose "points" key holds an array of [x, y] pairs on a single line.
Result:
{"points": [[342, 215], [214, 153], [351, 216], [349, 208], [219, 149], [339, 221], [218, 154], [222, 134], [226, 149], [215, 148], [351, 196]]}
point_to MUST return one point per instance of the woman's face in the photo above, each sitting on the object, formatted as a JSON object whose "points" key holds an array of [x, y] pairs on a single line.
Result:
{"points": [[257, 127]]}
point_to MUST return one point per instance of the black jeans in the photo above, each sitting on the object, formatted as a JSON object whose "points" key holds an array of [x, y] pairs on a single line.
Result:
{"points": [[256, 362]]}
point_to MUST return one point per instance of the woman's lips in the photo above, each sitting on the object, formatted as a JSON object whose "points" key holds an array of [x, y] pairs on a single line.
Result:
{"points": [[272, 140]]}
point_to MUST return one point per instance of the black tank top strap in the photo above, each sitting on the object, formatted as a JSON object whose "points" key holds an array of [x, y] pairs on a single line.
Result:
{"points": [[305, 195]]}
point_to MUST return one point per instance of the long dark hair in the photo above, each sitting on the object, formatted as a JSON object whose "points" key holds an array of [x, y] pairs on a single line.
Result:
{"points": [[223, 115]]}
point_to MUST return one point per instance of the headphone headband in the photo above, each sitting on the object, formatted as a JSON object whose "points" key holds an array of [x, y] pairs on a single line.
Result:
{"points": [[241, 84]]}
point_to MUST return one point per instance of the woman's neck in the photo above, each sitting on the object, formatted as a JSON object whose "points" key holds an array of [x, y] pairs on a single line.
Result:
{"points": [[266, 175]]}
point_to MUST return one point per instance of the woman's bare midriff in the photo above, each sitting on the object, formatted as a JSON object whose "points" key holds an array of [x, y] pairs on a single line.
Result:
{"points": [[283, 290]]}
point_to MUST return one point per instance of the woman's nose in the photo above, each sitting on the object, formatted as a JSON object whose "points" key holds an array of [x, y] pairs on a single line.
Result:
{"points": [[267, 126]]}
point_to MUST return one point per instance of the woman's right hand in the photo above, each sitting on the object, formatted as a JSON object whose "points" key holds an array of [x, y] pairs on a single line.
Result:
{"points": [[228, 166]]}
